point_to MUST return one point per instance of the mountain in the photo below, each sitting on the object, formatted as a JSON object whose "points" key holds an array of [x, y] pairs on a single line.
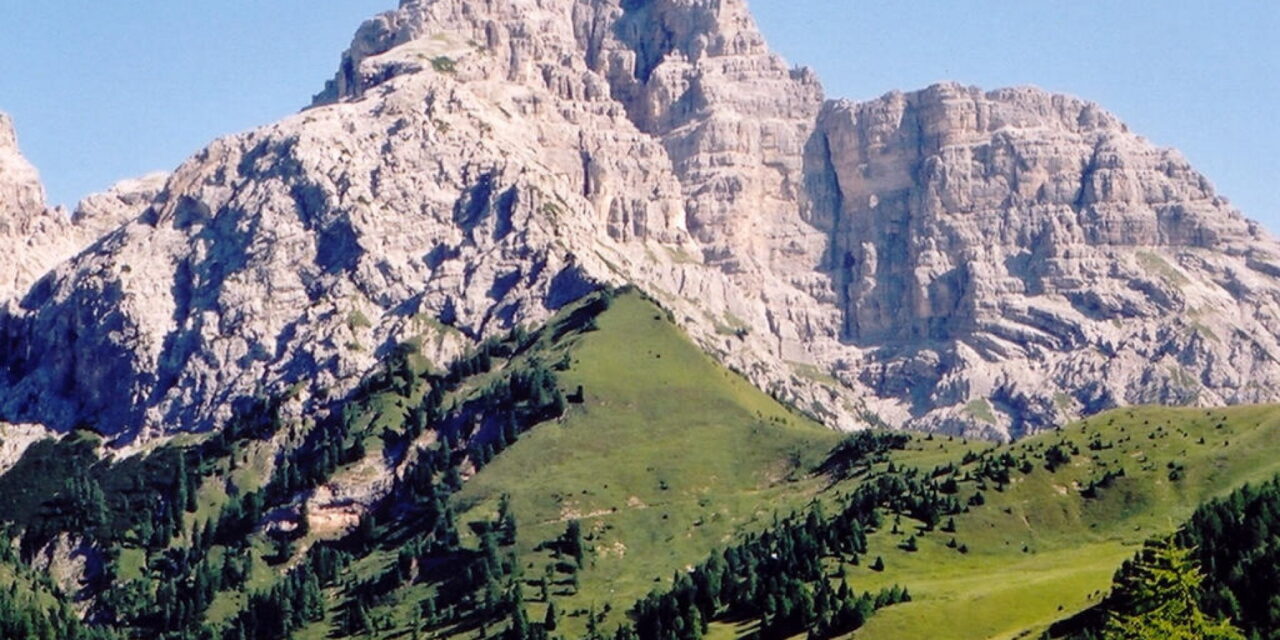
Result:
{"points": [[542, 320], [40, 237], [604, 466], [984, 263]]}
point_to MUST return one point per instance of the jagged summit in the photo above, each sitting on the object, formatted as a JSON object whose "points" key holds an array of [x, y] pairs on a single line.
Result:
{"points": [[1028, 249], [37, 237], [625, 40], [694, 75], [1009, 188], [21, 193], [986, 262]]}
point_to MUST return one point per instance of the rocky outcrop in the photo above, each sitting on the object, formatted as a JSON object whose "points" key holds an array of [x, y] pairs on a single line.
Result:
{"points": [[301, 252], [695, 77], [947, 259], [20, 188], [1027, 250], [70, 562], [38, 237], [100, 213]]}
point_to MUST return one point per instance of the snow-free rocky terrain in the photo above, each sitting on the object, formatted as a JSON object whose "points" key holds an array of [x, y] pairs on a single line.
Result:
{"points": [[948, 259]]}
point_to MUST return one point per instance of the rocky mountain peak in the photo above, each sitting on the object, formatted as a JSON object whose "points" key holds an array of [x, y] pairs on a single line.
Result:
{"points": [[695, 75], [8, 133], [986, 243], [973, 261], [21, 194], [524, 38], [40, 237], [8, 137]]}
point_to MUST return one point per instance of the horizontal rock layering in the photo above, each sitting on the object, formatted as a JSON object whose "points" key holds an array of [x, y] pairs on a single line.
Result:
{"points": [[985, 263]]}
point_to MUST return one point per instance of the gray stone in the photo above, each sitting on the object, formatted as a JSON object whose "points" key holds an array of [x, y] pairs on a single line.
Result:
{"points": [[978, 262]]}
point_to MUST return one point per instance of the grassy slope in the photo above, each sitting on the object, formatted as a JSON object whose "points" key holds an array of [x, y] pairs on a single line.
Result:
{"points": [[669, 456], [730, 457], [1072, 545]]}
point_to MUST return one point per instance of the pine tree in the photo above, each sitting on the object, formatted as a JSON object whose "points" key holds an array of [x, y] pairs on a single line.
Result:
{"points": [[573, 540], [304, 522], [519, 623], [180, 481], [1156, 597], [593, 628], [144, 529], [550, 621], [453, 478], [506, 521]]}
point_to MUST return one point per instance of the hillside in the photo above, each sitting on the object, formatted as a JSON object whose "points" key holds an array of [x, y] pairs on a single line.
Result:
{"points": [[1041, 544], [1042, 548], [1215, 578], [667, 457], [701, 452], [462, 501]]}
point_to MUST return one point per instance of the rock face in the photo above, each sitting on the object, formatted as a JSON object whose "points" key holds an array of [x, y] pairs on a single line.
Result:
{"points": [[37, 237], [947, 259], [20, 189], [1026, 251]]}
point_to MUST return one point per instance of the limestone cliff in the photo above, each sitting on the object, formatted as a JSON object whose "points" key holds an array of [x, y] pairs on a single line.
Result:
{"points": [[949, 259], [1026, 251], [37, 237]]}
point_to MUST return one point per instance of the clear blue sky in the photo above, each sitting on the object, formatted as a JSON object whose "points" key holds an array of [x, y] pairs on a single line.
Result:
{"points": [[108, 90]]}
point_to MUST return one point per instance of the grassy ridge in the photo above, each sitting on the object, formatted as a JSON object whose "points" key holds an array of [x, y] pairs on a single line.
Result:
{"points": [[671, 457], [1040, 544], [668, 457]]}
